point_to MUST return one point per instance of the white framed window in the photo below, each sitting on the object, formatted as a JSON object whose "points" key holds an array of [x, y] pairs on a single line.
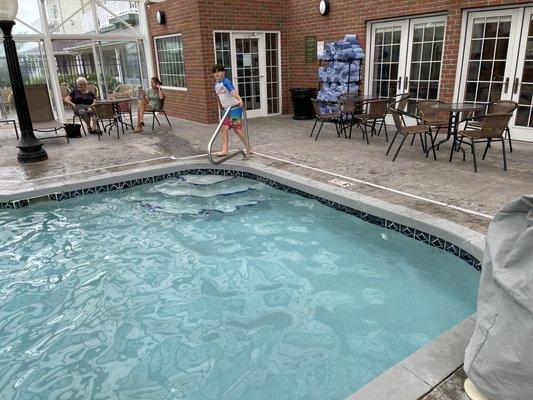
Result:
{"points": [[170, 61]]}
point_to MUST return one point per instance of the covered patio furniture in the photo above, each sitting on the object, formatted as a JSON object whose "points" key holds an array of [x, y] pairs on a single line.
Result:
{"points": [[41, 114], [502, 106], [333, 117], [405, 131], [155, 112], [491, 130]]}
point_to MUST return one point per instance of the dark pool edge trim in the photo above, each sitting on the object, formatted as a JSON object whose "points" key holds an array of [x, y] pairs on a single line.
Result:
{"points": [[407, 380], [273, 180]]}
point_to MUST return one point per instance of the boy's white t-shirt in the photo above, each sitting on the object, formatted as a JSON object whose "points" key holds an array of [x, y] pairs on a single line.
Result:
{"points": [[223, 89]]}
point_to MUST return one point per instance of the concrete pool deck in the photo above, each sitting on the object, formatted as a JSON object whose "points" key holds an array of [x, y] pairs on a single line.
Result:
{"points": [[448, 191]]}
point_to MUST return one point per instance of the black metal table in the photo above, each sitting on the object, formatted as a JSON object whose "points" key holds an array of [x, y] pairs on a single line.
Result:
{"points": [[455, 109]]}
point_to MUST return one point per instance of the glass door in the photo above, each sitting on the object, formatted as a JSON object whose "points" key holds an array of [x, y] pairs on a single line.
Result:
{"points": [[388, 55], [522, 85], [249, 71], [424, 59], [490, 56]]}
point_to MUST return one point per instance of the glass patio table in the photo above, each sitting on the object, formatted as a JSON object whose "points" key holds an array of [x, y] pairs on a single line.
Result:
{"points": [[455, 110]]}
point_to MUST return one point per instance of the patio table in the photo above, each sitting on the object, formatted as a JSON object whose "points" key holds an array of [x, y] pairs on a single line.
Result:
{"points": [[455, 109]]}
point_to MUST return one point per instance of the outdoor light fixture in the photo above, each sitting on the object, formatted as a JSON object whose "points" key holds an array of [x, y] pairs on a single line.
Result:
{"points": [[161, 17], [324, 7], [30, 148]]}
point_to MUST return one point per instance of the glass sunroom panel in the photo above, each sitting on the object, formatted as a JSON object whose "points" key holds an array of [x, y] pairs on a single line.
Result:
{"points": [[118, 16], [28, 20], [69, 17]]}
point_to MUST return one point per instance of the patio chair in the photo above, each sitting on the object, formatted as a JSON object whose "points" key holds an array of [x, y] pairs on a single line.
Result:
{"points": [[154, 112], [41, 114], [122, 90], [491, 130], [107, 112], [334, 117], [94, 89], [434, 118], [376, 111], [64, 93], [125, 106], [399, 101], [502, 106], [405, 131]]}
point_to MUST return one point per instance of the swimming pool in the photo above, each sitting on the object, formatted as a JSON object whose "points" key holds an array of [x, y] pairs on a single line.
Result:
{"points": [[213, 288]]}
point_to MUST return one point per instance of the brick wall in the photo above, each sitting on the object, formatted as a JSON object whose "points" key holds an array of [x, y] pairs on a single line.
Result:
{"points": [[183, 17], [196, 20], [295, 19], [348, 16]]}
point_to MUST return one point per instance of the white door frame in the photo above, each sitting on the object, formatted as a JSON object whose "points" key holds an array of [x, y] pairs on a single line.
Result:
{"points": [[466, 39], [372, 27], [263, 111], [515, 56], [520, 132]]}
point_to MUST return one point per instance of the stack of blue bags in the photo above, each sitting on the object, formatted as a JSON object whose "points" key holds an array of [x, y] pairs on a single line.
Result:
{"points": [[343, 73]]}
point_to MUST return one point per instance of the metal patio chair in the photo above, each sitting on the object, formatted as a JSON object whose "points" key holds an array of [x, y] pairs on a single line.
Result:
{"points": [[501, 106], [492, 130], [376, 111], [405, 131], [334, 117], [107, 112], [154, 112]]}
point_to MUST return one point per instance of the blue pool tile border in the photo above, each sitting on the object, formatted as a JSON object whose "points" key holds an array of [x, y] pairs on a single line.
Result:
{"points": [[375, 220]]}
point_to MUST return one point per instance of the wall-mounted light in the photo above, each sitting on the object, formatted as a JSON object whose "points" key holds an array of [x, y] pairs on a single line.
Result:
{"points": [[323, 8], [161, 18]]}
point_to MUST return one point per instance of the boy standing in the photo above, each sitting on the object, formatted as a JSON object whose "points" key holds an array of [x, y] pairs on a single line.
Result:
{"points": [[228, 97]]}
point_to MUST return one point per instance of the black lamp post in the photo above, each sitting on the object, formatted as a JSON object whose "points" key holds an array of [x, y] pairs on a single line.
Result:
{"points": [[30, 148]]}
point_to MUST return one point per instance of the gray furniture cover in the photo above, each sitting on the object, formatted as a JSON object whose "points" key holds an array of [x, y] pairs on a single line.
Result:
{"points": [[499, 358]]}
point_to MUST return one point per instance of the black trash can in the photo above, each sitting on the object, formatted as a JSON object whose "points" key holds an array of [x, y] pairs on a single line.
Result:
{"points": [[301, 102]]}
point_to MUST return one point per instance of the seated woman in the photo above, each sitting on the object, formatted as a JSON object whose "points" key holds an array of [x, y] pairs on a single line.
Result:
{"points": [[150, 101], [81, 100]]}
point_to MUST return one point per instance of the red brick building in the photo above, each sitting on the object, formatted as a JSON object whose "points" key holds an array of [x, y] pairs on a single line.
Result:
{"points": [[471, 50]]}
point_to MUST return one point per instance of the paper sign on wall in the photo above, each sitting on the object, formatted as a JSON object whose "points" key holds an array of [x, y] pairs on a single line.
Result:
{"points": [[247, 60], [319, 48]]}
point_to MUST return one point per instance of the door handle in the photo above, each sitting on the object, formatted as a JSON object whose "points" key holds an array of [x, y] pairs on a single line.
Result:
{"points": [[506, 85], [399, 86], [515, 85], [405, 83]]}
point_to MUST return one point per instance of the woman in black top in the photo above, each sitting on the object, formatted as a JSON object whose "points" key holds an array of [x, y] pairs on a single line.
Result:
{"points": [[82, 100]]}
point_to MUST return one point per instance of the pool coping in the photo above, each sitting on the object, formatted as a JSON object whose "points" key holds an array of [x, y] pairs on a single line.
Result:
{"points": [[409, 379]]}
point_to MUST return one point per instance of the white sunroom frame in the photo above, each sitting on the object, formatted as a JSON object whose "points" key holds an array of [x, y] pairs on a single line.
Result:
{"points": [[45, 37]]}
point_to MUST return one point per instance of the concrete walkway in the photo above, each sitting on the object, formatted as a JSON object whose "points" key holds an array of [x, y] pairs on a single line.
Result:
{"points": [[447, 190]]}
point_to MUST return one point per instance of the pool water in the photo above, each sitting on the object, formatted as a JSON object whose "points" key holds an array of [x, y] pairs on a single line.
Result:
{"points": [[209, 287]]}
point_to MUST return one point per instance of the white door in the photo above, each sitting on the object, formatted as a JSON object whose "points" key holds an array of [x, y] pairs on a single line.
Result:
{"points": [[387, 58], [490, 51], [522, 84], [249, 71], [424, 59]]}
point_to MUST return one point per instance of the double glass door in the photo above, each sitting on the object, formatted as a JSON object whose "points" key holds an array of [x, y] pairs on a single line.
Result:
{"points": [[498, 64], [406, 56]]}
